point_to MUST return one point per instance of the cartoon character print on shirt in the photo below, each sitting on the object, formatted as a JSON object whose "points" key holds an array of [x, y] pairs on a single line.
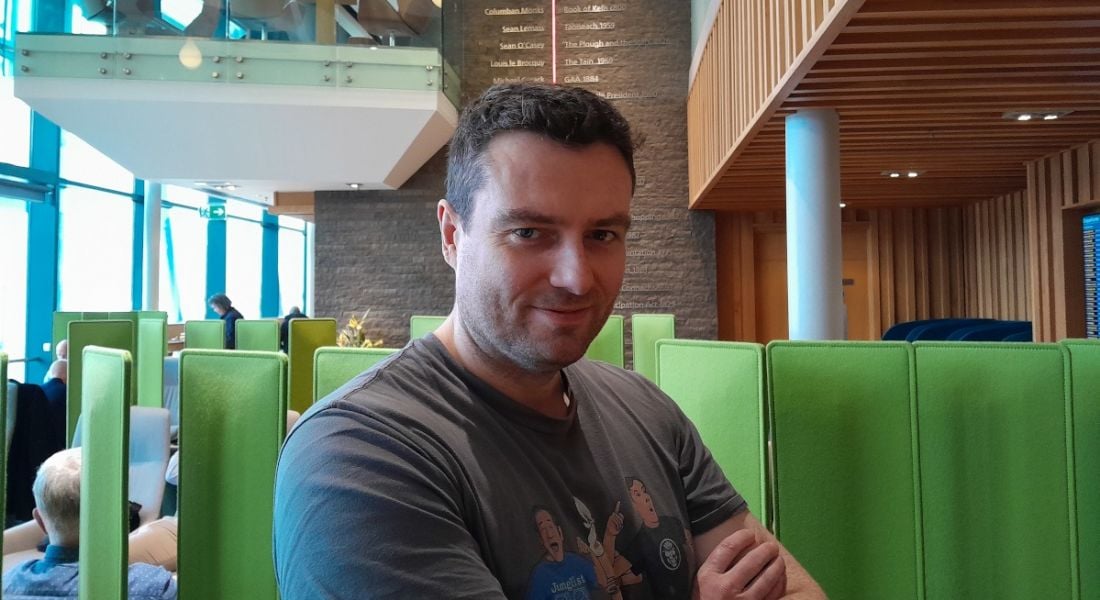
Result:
{"points": [[661, 550], [559, 575], [612, 569]]}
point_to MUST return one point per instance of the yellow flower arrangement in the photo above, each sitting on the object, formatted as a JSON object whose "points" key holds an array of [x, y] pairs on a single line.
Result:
{"points": [[354, 334]]}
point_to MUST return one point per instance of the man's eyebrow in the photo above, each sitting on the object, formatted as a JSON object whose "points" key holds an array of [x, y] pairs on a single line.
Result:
{"points": [[619, 220], [519, 216]]}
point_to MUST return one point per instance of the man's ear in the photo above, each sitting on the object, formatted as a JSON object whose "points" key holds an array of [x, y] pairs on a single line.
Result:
{"points": [[38, 519], [450, 231]]}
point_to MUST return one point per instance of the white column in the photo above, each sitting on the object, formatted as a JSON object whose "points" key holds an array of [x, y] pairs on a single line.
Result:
{"points": [[311, 259], [150, 264], [815, 305]]}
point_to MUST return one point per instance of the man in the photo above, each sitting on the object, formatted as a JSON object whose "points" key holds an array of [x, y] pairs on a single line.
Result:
{"points": [[57, 512], [220, 304], [284, 327], [558, 572], [416, 480]]}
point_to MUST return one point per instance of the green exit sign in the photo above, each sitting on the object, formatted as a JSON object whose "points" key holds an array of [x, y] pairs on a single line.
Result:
{"points": [[214, 213]]}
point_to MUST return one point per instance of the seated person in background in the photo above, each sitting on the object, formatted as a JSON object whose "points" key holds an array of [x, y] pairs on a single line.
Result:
{"points": [[57, 377], [284, 327], [224, 307], [57, 511]]}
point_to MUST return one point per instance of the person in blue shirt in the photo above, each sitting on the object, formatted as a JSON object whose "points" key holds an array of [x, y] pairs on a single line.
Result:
{"points": [[57, 511], [224, 307]]}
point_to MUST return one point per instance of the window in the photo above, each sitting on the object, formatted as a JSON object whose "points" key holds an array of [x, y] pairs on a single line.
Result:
{"points": [[83, 163], [15, 121], [13, 292], [97, 250], [243, 262], [292, 266], [182, 262]]}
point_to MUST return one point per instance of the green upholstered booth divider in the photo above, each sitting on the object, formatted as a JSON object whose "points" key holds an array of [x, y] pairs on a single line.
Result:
{"points": [[108, 334], [720, 387], [608, 345], [104, 485], [333, 367], [994, 472], [206, 334], [151, 339], [95, 316], [61, 326], [306, 336], [258, 334], [645, 330], [1084, 360], [846, 495], [422, 325], [232, 422], [131, 316]]}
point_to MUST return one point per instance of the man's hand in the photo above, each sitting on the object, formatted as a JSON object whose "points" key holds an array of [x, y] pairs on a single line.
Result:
{"points": [[615, 522], [742, 567]]}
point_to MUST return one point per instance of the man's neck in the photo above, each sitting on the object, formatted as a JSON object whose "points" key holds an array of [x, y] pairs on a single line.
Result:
{"points": [[539, 391]]}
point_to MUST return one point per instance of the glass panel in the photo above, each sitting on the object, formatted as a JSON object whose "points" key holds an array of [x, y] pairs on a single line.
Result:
{"points": [[292, 269], [292, 223], [13, 291], [82, 163], [182, 262], [184, 196], [97, 250], [15, 121], [243, 258], [244, 210]]}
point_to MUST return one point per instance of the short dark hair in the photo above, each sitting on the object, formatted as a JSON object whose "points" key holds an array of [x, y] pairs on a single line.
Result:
{"points": [[567, 115], [221, 301]]}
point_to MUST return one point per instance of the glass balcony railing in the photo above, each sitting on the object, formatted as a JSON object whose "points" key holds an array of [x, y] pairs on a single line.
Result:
{"points": [[383, 44]]}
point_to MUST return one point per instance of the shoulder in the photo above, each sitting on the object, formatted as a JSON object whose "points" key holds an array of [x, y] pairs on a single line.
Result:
{"points": [[615, 386], [149, 581]]}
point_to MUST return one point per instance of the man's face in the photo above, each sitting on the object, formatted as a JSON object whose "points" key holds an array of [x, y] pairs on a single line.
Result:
{"points": [[539, 262], [217, 309], [551, 536], [643, 504]]}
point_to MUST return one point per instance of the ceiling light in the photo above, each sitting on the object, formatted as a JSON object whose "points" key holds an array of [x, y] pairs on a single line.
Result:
{"points": [[912, 174], [843, 205], [1050, 117], [1024, 117], [190, 56], [355, 186], [895, 175]]}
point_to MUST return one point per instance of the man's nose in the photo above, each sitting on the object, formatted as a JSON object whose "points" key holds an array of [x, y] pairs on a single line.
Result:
{"points": [[572, 269]]}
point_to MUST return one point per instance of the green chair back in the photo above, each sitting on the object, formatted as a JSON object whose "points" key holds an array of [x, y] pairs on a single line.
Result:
{"points": [[842, 418], [1084, 360], [994, 472], [151, 339], [422, 325], [720, 387], [608, 345], [206, 334], [306, 336], [232, 422], [645, 331], [107, 334], [131, 316], [261, 335], [333, 367], [61, 322], [104, 477]]}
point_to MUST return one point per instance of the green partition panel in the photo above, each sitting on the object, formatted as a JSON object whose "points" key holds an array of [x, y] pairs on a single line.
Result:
{"points": [[422, 325], [207, 334], [232, 422], [260, 335], [994, 472], [129, 315], [61, 322], [151, 338], [156, 314], [846, 494], [720, 387], [105, 452], [333, 367], [108, 334], [608, 345], [1084, 360], [645, 330], [306, 336]]}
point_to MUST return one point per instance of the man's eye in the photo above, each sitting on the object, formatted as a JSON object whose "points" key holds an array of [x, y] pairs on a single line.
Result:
{"points": [[603, 235], [524, 233]]}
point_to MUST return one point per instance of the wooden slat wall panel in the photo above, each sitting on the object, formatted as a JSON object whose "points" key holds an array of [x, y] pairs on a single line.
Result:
{"points": [[916, 257], [754, 52], [995, 257], [1058, 184]]}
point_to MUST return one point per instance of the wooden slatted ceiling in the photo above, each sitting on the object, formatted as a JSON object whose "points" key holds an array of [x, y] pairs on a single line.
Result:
{"points": [[923, 85]]}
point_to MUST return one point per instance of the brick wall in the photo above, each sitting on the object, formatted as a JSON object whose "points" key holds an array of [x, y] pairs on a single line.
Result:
{"points": [[381, 250]]}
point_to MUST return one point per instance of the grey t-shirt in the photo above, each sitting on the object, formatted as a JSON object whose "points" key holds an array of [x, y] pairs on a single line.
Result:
{"points": [[419, 480]]}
